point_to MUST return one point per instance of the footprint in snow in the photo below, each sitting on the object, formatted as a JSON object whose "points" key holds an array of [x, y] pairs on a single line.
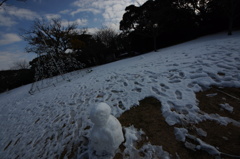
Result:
{"points": [[139, 84], [74, 95], [225, 66], [237, 59], [181, 74], [192, 84], [175, 81], [137, 90], [121, 105], [178, 94], [155, 90], [164, 87]]}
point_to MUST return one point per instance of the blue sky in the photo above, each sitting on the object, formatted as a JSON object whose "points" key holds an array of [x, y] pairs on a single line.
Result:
{"points": [[16, 15]]}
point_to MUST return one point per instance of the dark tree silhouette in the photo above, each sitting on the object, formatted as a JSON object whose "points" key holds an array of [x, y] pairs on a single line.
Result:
{"points": [[156, 19], [2, 2], [106, 40]]}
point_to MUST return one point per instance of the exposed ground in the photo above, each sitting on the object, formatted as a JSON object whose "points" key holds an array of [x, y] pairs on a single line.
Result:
{"points": [[148, 117]]}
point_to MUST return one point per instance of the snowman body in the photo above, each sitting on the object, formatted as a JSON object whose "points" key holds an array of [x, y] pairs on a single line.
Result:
{"points": [[106, 134]]}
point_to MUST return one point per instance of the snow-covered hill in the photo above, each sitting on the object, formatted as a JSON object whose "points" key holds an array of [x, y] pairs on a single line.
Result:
{"points": [[54, 121]]}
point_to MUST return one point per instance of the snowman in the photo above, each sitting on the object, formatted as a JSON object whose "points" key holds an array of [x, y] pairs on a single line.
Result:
{"points": [[106, 134]]}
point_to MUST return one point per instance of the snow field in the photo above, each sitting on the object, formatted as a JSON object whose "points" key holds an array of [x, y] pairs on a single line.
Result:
{"points": [[55, 121]]}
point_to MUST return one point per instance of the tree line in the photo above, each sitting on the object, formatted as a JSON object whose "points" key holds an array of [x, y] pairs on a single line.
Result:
{"points": [[152, 25], [159, 23]]}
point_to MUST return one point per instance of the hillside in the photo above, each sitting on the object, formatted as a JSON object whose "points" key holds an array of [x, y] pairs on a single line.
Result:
{"points": [[54, 121]]}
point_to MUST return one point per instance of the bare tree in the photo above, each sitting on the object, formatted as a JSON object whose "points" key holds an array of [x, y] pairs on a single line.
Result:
{"points": [[107, 36], [22, 64], [4, 1], [49, 37], [51, 41], [1, 2]]}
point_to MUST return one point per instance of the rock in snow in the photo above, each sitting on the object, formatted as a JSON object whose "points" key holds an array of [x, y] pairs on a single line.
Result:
{"points": [[106, 134]]}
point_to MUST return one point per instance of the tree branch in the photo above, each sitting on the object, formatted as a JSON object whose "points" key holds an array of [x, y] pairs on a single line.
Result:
{"points": [[1, 3]]}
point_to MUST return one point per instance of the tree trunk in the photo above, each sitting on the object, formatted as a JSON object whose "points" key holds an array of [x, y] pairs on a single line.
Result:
{"points": [[231, 16], [230, 25], [155, 43]]}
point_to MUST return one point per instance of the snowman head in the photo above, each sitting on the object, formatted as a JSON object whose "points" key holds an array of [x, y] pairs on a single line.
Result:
{"points": [[100, 114]]}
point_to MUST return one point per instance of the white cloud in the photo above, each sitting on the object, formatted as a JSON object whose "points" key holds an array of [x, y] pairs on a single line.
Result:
{"points": [[92, 30], [64, 11], [9, 38], [89, 30], [82, 3], [52, 16], [92, 10], [10, 14], [21, 13], [8, 58], [111, 10], [81, 22], [6, 21]]}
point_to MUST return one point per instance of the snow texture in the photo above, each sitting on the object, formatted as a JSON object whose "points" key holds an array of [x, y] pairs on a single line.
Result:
{"points": [[211, 95], [180, 134], [148, 150], [206, 147], [201, 132], [227, 107], [55, 120]]}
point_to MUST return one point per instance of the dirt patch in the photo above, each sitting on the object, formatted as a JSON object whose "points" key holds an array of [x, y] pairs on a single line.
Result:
{"points": [[210, 101], [148, 117], [225, 138]]}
